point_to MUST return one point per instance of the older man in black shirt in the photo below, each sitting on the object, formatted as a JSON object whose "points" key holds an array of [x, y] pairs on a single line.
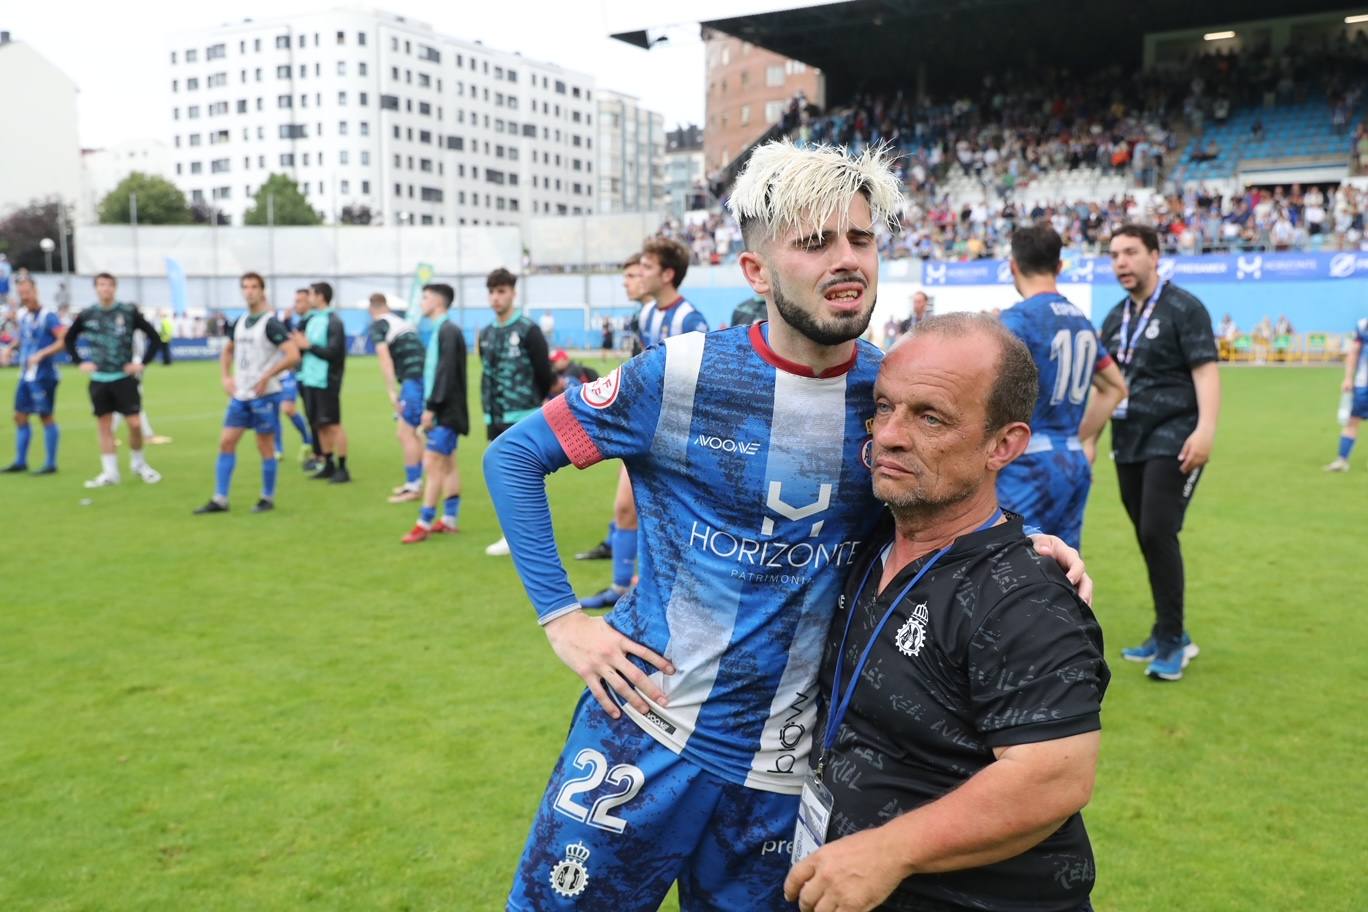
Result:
{"points": [[963, 677]]}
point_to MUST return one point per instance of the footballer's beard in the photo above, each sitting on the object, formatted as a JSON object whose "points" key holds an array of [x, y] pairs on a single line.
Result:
{"points": [[834, 330]]}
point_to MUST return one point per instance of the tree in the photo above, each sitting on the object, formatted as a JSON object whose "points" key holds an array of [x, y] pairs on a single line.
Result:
{"points": [[290, 206], [23, 229], [160, 202], [360, 214]]}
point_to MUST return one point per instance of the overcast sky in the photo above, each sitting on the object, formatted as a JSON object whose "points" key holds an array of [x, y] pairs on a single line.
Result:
{"points": [[116, 52]]}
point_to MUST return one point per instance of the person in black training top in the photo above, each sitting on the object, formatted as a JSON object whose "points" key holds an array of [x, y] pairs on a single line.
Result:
{"points": [[1161, 336], [963, 678]]}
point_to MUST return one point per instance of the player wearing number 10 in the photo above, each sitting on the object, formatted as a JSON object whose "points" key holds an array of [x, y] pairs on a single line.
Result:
{"points": [[1049, 484]]}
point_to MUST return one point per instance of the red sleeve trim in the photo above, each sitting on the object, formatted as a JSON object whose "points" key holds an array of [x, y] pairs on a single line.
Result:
{"points": [[1104, 362], [583, 452]]}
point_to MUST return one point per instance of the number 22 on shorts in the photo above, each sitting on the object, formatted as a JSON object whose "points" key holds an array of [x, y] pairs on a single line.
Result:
{"points": [[625, 778]]}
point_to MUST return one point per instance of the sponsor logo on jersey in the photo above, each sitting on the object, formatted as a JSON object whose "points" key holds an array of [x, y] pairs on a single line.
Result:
{"points": [[603, 392], [911, 636], [727, 445], [570, 876]]}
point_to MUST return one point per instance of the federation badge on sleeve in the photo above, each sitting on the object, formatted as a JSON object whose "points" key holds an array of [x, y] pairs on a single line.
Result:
{"points": [[603, 392], [569, 877]]}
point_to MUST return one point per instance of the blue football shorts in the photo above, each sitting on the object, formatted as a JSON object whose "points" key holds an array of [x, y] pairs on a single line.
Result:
{"points": [[289, 387], [411, 398], [441, 440], [261, 414], [624, 818], [1359, 408], [36, 397]]}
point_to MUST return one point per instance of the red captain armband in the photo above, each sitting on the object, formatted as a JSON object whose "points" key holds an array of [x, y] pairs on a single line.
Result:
{"points": [[583, 452], [1104, 362]]}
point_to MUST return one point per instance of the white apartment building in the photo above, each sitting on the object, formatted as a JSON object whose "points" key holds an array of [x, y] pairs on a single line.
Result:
{"points": [[631, 155], [369, 108]]}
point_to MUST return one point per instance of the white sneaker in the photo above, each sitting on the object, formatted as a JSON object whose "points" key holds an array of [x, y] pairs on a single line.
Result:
{"points": [[1339, 465], [498, 549], [103, 480], [148, 474]]}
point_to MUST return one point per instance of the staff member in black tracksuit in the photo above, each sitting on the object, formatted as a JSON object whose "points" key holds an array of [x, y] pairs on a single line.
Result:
{"points": [[1161, 336]]}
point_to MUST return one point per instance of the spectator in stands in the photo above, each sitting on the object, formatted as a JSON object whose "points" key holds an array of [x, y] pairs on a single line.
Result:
{"points": [[1283, 327]]}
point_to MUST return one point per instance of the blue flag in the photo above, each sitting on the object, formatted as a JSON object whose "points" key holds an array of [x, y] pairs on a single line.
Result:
{"points": [[175, 277]]}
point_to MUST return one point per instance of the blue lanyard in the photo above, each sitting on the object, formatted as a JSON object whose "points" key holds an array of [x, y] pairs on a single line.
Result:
{"points": [[840, 709], [1126, 354]]}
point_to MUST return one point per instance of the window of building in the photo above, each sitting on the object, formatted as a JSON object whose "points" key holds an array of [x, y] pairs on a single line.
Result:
{"points": [[363, 98], [175, 85], [242, 106], [341, 68], [342, 99], [365, 157], [259, 102], [283, 42], [343, 157], [773, 111], [389, 102], [283, 71], [432, 195], [191, 56], [424, 80], [341, 128], [361, 68], [560, 87], [257, 74], [192, 112], [173, 57], [191, 84], [195, 139], [745, 115], [365, 127], [195, 167], [425, 136], [425, 108], [216, 52], [218, 165], [287, 159]]}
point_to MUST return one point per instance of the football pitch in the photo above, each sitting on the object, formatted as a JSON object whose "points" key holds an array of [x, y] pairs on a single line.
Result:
{"points": [[293, 711]]}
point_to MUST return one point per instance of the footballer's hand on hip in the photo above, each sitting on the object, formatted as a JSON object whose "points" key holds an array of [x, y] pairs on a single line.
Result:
{"points": [[602, 656]]}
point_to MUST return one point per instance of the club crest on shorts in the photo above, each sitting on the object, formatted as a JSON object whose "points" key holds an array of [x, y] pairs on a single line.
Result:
{"points": [[1152, 331], [911, 636], [603, 392], [569, 877]]}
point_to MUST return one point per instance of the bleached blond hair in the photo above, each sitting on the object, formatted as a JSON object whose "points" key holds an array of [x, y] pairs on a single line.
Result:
{"points": [[784, 187]]}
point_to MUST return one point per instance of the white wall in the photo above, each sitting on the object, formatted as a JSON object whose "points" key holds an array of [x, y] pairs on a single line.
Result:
{"points": [[39, 148]]}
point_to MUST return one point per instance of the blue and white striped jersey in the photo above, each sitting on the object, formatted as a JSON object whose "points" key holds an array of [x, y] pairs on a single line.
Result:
{"points": [[1361, 369], [36, 332], [660, 323], [753, 493]]}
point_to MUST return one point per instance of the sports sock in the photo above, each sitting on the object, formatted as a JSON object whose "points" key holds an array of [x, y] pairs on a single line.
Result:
{"points": [[342, 463], [136, 460], [223, 474], [298, 421], [109, 464], [624, 556], [413, 474], [426, 515], [269, 470], [328, 461], [147, 425], [51, 435], [452, 509], [1346, 447], [21, 443]]}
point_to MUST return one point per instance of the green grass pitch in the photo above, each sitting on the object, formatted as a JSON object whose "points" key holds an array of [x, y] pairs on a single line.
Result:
{"points": [[292, 711]]}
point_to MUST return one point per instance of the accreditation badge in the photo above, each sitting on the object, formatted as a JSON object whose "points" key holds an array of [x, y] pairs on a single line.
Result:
{"points": [[814, 814]]}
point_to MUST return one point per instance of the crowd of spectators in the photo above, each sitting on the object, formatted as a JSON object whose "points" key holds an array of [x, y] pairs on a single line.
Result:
{"points": [[1019, 127]]}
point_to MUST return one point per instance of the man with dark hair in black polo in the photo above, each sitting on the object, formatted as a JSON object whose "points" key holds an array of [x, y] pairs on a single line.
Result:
{"points": [[323, 344], [963, 677], [1162, 435]]}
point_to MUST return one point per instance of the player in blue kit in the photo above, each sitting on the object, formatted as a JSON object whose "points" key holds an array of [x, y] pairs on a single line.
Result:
{"points": [[40, 339], [752, 507], [1049, 484], [259, 350], [661, 268], [1356, 384]]}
